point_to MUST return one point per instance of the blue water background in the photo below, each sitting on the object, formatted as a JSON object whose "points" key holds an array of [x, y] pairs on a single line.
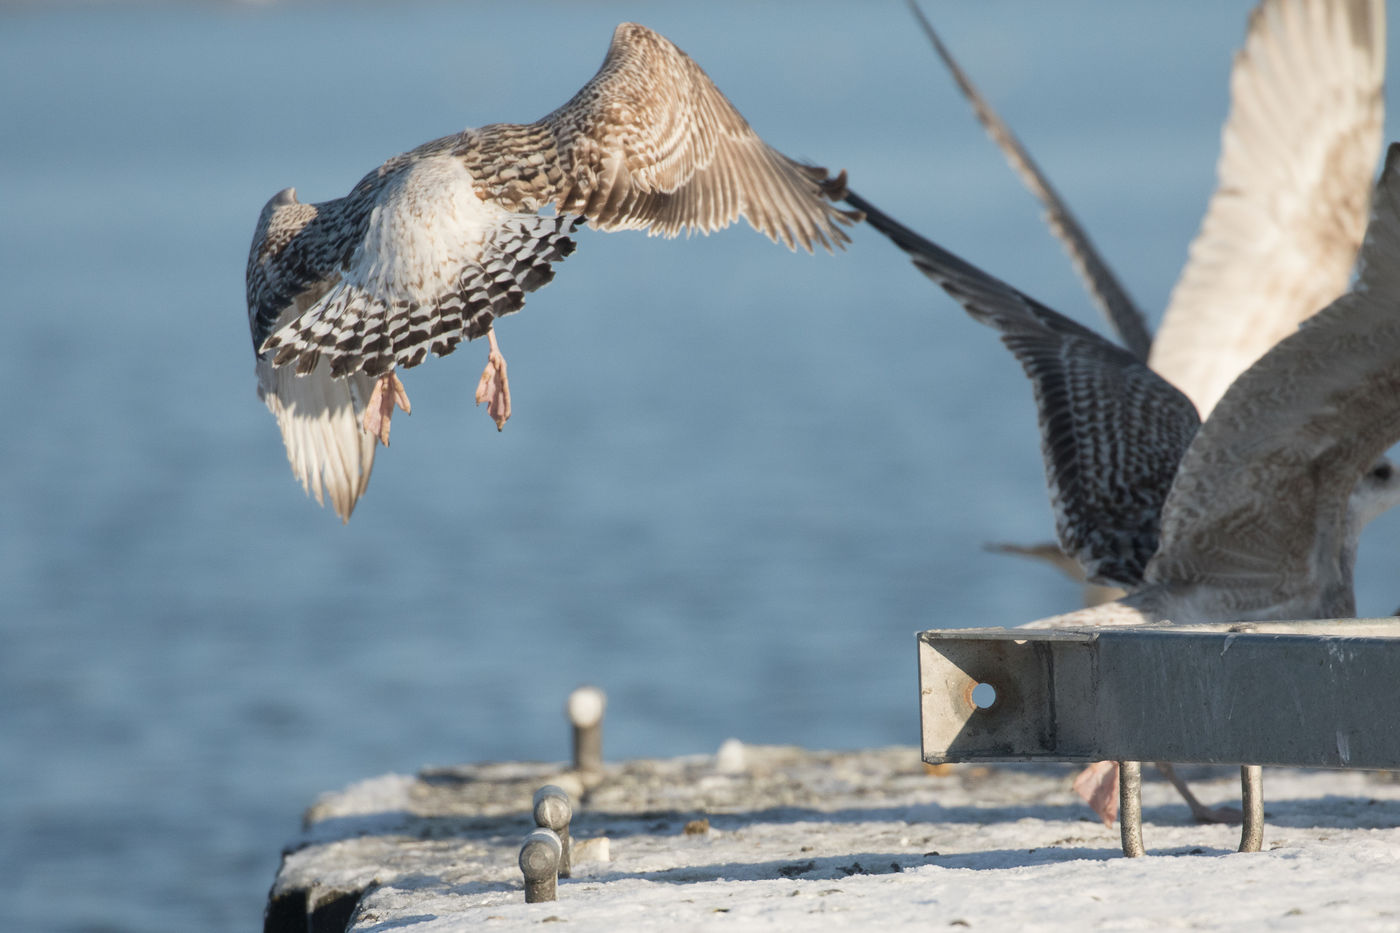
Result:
{"points": [[737, 482]]}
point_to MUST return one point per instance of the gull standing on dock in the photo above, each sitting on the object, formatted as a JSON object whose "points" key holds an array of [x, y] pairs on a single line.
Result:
{"points": [[437, 243], [1280, 235], [1256, 513]]}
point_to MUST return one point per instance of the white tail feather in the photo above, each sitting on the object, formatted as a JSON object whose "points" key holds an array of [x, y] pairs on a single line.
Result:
{"points": [[320, 422]]}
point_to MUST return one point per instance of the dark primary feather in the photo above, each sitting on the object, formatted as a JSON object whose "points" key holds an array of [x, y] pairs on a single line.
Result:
{"points": [[1112, 431], [1122, 313]]}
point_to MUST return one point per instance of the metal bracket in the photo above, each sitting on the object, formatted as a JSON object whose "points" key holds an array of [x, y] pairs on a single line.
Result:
{"points": [[1318, 694]]}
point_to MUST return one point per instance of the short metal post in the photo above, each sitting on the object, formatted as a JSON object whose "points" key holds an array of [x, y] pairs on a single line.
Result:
{"points": [[1130, 807], [585, 708], [553, 812], [539, 862], [1252, 805]]}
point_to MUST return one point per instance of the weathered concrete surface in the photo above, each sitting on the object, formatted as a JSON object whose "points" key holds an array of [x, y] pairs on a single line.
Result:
{"points": [[769, 824]]}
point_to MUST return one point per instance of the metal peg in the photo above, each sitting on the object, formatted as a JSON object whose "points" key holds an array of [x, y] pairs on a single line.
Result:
{"points": [[539, 862], [553, 812], [1252, 804], [585, 708], [1130, 807]]}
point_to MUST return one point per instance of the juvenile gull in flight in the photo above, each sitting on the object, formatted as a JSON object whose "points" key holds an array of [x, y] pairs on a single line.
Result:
{"points": [[434, 245]]}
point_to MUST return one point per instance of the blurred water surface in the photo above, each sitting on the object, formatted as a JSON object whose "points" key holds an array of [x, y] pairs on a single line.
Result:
{"points": [[737, 481]]}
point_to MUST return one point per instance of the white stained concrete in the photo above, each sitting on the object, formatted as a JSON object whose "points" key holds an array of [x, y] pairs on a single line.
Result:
{"points": [[853, 840]]}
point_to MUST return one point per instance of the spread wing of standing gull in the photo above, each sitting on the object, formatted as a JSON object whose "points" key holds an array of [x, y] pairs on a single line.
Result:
{"points": [[433, 246], [1298, 156], [1298, 159]]}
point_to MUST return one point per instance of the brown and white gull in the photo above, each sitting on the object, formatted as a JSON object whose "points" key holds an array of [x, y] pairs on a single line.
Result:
{"points": [[433, 246], [1253, 515], [1279, 237]]}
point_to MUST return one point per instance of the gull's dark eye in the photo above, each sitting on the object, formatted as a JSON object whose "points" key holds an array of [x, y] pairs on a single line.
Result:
{"points": [[1382, 471]]}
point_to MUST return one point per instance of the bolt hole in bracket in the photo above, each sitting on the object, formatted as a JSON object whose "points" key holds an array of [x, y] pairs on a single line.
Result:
{"points": [[1300, 694], [983, 696]]}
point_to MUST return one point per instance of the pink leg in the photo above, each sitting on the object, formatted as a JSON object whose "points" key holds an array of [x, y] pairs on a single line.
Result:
{"points": [[494, 387], [388, 392], [1098, 785], [1199, 811]]}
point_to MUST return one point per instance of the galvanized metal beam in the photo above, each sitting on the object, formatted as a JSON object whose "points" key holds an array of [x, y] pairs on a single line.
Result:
{"points": [[1314, 694]]}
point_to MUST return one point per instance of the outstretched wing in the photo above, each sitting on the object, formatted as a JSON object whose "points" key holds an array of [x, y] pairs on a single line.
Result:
{"points": [[1118, 307], [1112, 431], [319, 416], [446, 238], [651, 143], [1298, 157], [1262, 497]]}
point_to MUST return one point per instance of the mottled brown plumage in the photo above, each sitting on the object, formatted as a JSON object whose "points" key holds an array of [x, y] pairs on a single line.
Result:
{"points": [[436, 244]]}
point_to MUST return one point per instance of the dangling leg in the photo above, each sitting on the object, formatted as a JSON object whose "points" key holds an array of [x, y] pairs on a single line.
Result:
{"points": [[1098, 785], [494, 387], [388, 392]]}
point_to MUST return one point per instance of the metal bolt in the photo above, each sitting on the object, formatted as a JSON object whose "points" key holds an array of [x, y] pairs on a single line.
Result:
{"points": [[539, 862], [553, 812], [585, 708], [1252, 803], [1130, 807]]}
